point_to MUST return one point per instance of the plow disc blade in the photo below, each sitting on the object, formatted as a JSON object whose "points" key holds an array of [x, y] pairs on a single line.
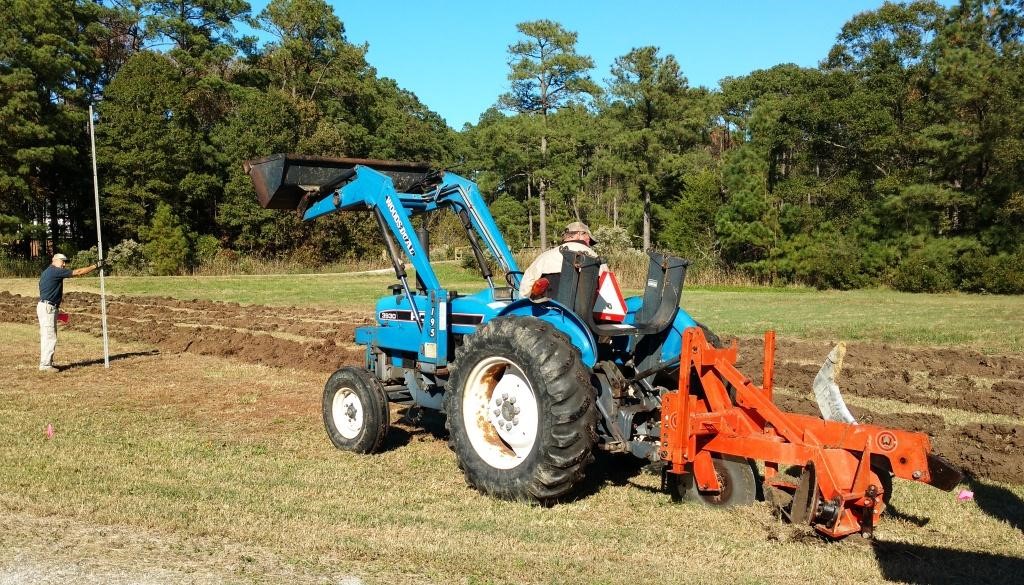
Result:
{"points": [[826, 390], [805, 500]]}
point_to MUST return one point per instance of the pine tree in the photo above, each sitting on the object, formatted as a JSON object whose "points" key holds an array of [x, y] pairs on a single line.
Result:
{"points": [[546, 73], [650, 94]]}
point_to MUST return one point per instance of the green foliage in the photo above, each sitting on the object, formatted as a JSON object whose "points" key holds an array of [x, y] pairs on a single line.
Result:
{"points": [[261, 123], [897, 161], [205, 249], [546, 74], [201, 30], [688, 222], [127, 257], [10, 229], [999, 274], [824, 259], [744, 223], [85, 257], [166, 245], [152, 140], [1006, 274], [659, 115], [937, 265], [508, 214], [49, 72]]}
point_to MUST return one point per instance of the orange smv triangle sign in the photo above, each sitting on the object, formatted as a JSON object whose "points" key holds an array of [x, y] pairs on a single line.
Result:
{"points": [[610, 306]]}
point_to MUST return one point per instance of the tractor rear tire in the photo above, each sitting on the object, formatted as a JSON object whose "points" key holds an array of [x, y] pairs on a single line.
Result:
{"points": [[355, 410], [737, 476], [670, 378], [521, 411], [711, 336]]}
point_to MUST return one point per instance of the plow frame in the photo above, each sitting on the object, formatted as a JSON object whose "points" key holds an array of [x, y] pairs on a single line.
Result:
{"points": [[843, 492]]}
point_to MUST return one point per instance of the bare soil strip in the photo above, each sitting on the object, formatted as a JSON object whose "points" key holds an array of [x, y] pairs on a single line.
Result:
{"points": [[321, 341]]}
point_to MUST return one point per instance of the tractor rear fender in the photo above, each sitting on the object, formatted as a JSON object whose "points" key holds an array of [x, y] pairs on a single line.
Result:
{"points": [[564, 320], [673, 342]]}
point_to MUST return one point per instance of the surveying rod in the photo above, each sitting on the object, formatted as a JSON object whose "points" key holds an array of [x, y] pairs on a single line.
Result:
{"points": [[99, 244]]}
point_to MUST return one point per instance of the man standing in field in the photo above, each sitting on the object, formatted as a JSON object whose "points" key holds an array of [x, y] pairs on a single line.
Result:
{"points": [[51, 292]]}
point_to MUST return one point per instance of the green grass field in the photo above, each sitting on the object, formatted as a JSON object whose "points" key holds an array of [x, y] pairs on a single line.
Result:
{"points": [[184, 468], [181, 468], [990, 323]]}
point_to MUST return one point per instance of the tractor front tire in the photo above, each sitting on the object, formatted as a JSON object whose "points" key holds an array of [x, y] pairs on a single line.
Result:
{"points": [[521, 411], [355, 410]]}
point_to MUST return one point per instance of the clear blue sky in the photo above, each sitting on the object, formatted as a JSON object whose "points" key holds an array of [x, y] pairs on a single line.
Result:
{"points": [[453, 54]]}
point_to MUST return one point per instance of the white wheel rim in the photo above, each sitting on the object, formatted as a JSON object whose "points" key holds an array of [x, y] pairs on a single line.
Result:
{"points": [[347, 412], [500, 412]]}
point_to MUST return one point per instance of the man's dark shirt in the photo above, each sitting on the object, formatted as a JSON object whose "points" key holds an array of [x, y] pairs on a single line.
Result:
{"points": [[51, 284]]}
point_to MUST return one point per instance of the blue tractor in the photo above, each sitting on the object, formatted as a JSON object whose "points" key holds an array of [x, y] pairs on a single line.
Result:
{"points": [[531, 389]]}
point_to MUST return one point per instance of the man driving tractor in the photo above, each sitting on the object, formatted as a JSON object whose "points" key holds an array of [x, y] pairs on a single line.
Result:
{"points": [[540, 280]]}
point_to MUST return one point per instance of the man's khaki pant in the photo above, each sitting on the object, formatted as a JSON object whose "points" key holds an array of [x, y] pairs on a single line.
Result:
{"points": [[47, 314]]}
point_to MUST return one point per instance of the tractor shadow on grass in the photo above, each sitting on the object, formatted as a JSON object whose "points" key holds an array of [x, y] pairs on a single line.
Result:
{"points": [[998, 502], [924, 565], [609, 469], [892, 511], [422, 423], [397, 438], [113, 358]]}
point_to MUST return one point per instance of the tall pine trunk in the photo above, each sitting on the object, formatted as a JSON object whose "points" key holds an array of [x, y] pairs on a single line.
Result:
{"points": [[529, 206], [541, 191], [647, 218]]}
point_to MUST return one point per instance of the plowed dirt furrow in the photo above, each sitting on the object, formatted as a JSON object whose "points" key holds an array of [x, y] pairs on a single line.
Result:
{"points": [[322, 340]]}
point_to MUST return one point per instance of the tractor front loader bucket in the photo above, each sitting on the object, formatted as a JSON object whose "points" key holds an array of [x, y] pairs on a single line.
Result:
{"points": [[844, 469], [287, 181]]}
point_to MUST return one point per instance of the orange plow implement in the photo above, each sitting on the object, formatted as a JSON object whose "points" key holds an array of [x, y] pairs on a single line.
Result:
{"points": [[838, 475]]}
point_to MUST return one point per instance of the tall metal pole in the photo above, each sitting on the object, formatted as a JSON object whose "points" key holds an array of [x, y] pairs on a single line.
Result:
{"points": [[99, 245]]}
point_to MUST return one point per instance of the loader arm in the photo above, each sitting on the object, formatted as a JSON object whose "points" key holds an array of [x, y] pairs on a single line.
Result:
{"points": [[375, 191], [392, 191], [317, 186]]}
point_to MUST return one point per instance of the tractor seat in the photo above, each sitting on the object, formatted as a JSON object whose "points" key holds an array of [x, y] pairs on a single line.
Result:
{"points": [[577, 288]]}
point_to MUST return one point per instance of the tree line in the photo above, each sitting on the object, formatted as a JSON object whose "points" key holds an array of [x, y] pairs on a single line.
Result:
{"points": [[899, 160]]}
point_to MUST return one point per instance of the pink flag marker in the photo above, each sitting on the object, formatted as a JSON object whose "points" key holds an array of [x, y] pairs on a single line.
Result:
{"points": [[965, 495], [49, 431]]}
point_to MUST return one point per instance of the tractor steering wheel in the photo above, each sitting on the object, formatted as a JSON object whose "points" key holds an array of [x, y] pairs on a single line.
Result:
{"points": [[508, 277]]}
